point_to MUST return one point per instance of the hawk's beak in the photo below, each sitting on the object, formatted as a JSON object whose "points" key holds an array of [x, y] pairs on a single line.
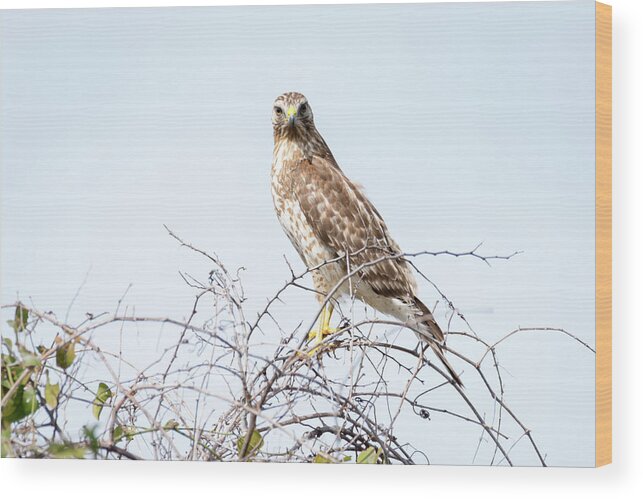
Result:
{"points": [[292, 115]]}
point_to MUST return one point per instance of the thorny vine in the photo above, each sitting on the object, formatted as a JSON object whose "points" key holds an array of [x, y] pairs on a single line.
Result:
{"points": [[222, 391]]}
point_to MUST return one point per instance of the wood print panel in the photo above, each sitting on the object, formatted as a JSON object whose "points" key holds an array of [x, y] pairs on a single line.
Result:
{"points": [[603, 234]]}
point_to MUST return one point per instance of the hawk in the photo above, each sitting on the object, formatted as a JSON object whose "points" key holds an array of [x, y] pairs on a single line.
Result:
{"points": [[337, 231]]}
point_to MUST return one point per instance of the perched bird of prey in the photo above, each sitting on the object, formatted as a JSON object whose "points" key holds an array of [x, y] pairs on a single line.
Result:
{"points": [[337, 231]]}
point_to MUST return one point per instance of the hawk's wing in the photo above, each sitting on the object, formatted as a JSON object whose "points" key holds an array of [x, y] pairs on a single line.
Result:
{"points": [[345, 220]]}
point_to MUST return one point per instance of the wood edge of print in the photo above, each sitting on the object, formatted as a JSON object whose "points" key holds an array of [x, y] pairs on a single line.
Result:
{"points": [[603, 234]]}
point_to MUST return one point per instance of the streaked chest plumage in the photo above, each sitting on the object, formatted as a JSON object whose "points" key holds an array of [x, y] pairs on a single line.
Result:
{"points": [[289, 212]]}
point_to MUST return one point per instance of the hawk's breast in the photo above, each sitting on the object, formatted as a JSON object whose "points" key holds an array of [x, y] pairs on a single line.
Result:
{"points": [[286, 174], [293, 220]]}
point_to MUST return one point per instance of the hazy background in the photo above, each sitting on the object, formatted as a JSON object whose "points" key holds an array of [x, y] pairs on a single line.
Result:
{"points": [[464, 122]]}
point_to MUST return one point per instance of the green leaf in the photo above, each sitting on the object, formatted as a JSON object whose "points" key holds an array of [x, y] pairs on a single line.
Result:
{"points": [[19, 323], [102, 396], [368, 456], [30, 402], [119, 433], [12, 371], [67, 451], [29, 358], [21, 404], [321, 459], [8, 342], [12, 410], [65, 353], [51, 394], [256, 443]]}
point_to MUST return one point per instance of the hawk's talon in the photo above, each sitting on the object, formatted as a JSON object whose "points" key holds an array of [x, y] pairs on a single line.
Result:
{"points": [[319, 335], [322, 348], [318, 338]]}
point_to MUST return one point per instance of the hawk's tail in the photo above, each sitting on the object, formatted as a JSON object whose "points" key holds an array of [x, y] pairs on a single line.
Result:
{"points": [[440, 353], [436, 339]]}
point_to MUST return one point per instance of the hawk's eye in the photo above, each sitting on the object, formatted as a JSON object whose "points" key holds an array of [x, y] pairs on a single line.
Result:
{"points": [[303, 108], [278, 111]]}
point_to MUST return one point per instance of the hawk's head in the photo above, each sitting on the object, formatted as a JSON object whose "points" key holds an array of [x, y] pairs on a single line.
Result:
{"points": [[292, 115]]}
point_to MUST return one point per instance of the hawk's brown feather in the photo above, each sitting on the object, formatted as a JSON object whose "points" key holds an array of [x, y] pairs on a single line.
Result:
{"points": [[346, 221]]}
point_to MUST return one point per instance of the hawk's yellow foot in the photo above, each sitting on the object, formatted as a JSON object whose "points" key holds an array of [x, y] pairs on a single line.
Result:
{"points": [[318, 335]]}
